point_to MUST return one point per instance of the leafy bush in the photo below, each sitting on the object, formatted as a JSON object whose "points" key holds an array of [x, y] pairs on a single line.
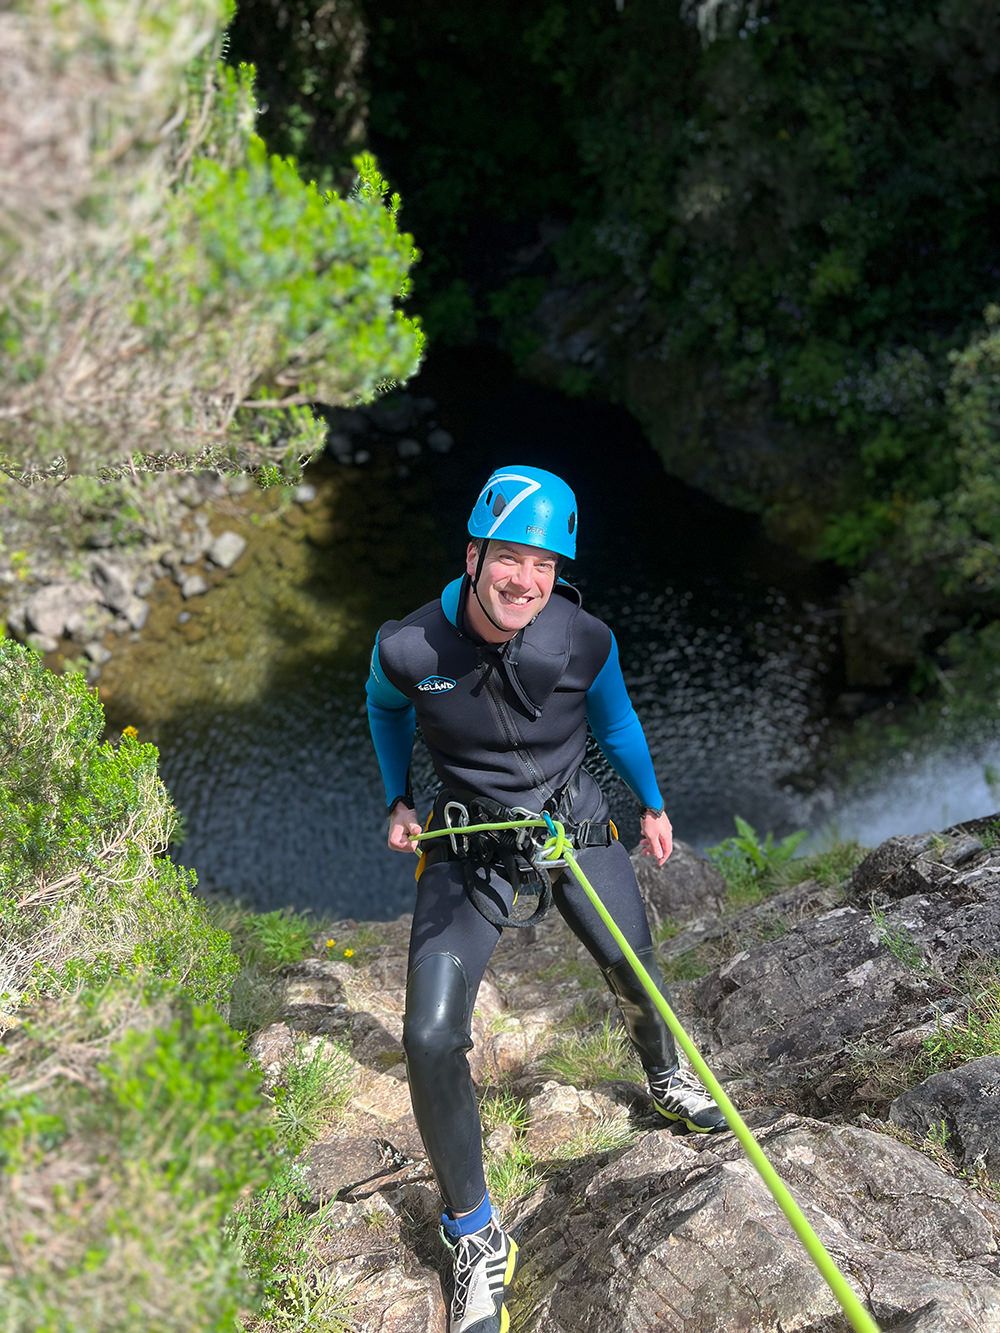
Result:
{"points": [[144, 1181], [85, 890], [215, 293], [273, 939], [114, 1182]]}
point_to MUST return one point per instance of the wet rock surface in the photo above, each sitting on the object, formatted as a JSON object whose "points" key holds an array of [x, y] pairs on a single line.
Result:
{"points": [[629, 1226]]}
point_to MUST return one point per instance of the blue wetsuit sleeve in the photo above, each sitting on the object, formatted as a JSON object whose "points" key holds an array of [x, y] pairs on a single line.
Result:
{"points": [[392, 723], [619, 732]]}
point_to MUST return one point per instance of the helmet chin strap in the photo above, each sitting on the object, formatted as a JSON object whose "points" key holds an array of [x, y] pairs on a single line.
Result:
{"points": [[475, 588]]}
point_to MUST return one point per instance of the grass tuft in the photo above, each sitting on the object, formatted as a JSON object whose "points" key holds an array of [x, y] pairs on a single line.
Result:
{"points": [[511, 1175], [316, 1086], [603, 1135], [500, 1108], [978, 1034], [592, 1058]]}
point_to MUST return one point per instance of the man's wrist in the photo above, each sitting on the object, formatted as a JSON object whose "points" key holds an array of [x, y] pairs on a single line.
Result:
{"points": [[649, 810], [406, 799]]}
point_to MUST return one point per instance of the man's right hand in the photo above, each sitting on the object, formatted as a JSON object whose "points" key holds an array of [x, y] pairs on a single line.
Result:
{"points": [[403, 827]]}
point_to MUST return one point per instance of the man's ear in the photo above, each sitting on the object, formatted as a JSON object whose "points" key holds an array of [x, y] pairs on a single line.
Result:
{"points": [[471, 559]]}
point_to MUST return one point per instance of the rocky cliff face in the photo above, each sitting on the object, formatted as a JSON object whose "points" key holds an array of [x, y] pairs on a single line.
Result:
{"points": [[816, 1014]]}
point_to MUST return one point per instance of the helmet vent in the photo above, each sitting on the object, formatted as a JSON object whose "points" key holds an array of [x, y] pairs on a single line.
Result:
{"points": [[499, 505], [572, 521], [489, 496]]}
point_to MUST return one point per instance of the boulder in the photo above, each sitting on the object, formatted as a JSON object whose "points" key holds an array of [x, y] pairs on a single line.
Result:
{"points": [[670, 1237], [272, 1047], [113, 582], [226, 549], [558, 1114], [792, 1013], [42, 643], [97, 653], [90, 622], [49, 609], [192, 585], [136, 612], [960, 1107], [905, 865], [17, 620], [686, 886], [352, 1164]]}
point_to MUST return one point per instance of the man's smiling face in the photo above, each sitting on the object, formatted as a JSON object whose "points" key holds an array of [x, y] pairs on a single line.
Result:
{"points": [[515, 583]]}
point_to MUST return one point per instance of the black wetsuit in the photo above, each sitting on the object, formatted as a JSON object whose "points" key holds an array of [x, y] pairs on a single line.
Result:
{"points": [[507, 723]]}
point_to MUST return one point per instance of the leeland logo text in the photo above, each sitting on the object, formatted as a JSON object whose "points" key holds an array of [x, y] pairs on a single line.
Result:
{"points": [[436, 684]]}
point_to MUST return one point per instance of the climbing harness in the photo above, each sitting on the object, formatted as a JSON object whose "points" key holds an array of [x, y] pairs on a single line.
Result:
{"points": [[514, 842], [513, 847], [557, 850]]}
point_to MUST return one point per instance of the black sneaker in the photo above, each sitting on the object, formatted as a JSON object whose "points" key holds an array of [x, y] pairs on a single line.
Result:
{"points": [[484, 1266], [678, 1095]]}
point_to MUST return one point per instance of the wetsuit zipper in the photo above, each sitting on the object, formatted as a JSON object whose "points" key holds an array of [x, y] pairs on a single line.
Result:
{"points": [[509, 733]]}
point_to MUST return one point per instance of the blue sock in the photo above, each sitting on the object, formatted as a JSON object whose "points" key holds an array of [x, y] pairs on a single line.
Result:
{"points": [[464, 1226]]}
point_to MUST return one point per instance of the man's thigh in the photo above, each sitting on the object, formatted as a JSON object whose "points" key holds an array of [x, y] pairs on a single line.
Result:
{"points": [[445, 921], [610, 871]]}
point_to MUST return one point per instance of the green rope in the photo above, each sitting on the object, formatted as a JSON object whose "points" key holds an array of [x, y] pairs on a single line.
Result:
{"points": [[558, 847]]}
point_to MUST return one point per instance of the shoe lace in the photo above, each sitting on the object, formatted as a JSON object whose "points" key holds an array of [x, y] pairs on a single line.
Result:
{"points": [[680, 1082], [469, 1251]]}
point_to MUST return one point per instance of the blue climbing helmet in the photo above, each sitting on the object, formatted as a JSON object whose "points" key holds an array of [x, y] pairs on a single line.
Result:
{"points": [[529, 506]]}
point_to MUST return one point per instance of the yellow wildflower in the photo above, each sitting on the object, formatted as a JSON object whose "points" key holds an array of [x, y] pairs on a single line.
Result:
{"points": [[348, 953], [330, 943], [130, 732]]}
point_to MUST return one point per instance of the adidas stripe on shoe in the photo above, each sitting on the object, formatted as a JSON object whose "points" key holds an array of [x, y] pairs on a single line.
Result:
{"points": [[484, 1264]]}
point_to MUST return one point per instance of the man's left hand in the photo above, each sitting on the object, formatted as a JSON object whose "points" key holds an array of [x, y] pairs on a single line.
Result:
{"points": [[657, 836]]}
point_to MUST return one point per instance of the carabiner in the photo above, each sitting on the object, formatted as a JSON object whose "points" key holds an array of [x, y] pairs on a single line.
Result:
{"points": [[461, 822]]}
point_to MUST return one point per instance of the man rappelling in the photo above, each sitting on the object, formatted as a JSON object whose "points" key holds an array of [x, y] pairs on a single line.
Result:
{"points": [[504, 672]]}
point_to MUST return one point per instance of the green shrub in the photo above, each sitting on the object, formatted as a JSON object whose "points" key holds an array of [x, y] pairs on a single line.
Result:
{"points": [[218, 293], [86, 892], [191, 1081], [120, 1157], [273, 939]]}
